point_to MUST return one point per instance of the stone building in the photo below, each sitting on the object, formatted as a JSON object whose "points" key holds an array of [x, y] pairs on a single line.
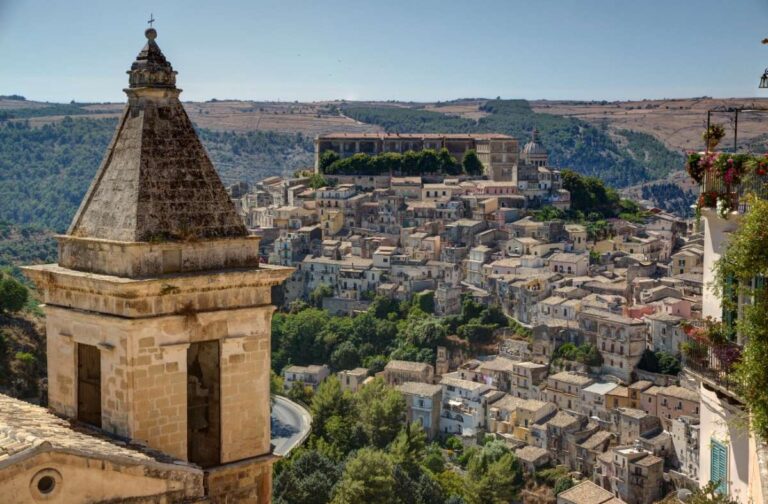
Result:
{"points": [[352, 379], [423, 403], [44, 458], [311, 376], [497, 152], [158, 312], [564, 389], [638, 475], [397, 372]]}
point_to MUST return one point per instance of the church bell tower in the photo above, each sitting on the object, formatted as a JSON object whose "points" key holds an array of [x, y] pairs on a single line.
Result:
{"points": [[158, 312]]}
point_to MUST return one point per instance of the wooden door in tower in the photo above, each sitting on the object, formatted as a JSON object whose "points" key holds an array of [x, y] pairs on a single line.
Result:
{"points": [[89, 384]]}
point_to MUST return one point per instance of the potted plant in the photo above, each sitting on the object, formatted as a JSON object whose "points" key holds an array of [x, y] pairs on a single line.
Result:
{"points": [[694, 167], [712, 136]]}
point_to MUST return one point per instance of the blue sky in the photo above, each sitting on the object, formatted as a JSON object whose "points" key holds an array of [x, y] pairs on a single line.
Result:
{"points": [[420, 50]]}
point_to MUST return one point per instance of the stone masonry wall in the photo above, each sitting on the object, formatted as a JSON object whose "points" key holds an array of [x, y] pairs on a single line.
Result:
{"points": [[144, 374], [85, 479]]}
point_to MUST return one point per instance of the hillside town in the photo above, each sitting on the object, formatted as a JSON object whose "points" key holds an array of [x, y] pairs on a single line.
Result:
{"points": [[473, 301], [631, 295]]}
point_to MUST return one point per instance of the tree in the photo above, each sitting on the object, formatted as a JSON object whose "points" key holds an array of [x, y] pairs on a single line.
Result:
{"points": [[345, 356], [433, 459], [472, 164], [501, 482], [381, 411], [426, 332], [327, 158], [487, 455], [448, 163], [417, 487], [428, 161], [275, 383], [368, 477], [710, 494], [308, 479], [410, 163], [408, 448], [321, 291], [316, 181], [425, 301], [563, 484], [659, 362], [300, 393], [382, 306], [454, 486], [13, 294], [329, 401], [476, 333]]}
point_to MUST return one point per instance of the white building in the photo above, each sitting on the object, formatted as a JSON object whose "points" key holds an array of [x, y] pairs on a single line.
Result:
{"points": [[465, 404]]}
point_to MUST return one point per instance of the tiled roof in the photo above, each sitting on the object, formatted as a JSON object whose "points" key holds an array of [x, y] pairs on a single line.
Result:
{"points": [[401, 365], [586, 493], [531, 453], [419, 388], [26, 428], [649, 460], [463, 384], [632, 412], [572, 378], [679, 393], [561, 419], [498, 364], [596, 440], [601, 387]]}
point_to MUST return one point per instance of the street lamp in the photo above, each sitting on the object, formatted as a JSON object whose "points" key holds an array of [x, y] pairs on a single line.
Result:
{"points": [[764, 78]]}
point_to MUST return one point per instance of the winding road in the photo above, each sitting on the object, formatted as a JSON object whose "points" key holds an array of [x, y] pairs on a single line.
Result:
{"points": [[290, 423]]}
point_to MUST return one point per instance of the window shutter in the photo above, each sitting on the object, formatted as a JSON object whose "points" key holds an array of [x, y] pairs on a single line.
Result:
{"points": [[718, 471]]}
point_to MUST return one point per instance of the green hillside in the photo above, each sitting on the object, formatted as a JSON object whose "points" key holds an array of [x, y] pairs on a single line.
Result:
{"points": [[46, 171], [620, 158]]}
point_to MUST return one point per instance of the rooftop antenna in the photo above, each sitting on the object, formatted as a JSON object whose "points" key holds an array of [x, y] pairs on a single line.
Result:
{"points": [[151, 20]]}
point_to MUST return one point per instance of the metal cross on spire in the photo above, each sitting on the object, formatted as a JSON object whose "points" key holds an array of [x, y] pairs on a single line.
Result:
{"points": [[151, 20]]}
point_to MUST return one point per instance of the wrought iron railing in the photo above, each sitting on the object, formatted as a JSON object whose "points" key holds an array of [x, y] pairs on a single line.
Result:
{"points": [[713, 362], [714, 185]]}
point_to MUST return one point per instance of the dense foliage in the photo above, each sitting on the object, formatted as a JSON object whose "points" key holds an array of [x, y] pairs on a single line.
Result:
{"points": [[46, 170], [387, 330], [409, 163], [361, 450], [51, 109], [659, 362], [620, 159], [586, 354], [741, 272], [25, 245], [22, 343], [13, 294], [590, 194]]}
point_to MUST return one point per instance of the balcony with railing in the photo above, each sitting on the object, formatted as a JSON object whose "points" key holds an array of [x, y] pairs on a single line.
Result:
{"points": [[727, 179], [710, 356]]}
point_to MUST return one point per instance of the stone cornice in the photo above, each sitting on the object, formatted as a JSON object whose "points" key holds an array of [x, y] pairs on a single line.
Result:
{"points": [[167, 294]]}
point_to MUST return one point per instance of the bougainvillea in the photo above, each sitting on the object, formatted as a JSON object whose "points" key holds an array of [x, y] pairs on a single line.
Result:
{"points": [[724, 175]]}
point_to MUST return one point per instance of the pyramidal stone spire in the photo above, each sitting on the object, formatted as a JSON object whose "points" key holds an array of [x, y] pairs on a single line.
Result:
{"points": [[151, 69], [156, 182]]}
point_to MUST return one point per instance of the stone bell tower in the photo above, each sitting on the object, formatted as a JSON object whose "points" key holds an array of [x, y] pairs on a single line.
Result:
{"points": [[158, 312]]}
